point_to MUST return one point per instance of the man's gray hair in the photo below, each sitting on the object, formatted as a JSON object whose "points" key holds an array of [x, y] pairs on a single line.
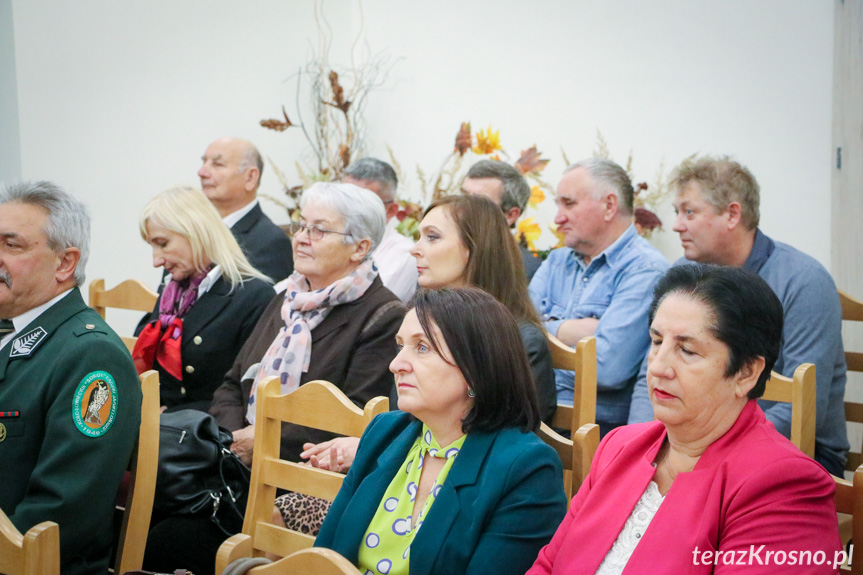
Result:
{"points": [[251, 157], [68, 224], [609, 178], [516, 192], [361, 210], [374, 170]]}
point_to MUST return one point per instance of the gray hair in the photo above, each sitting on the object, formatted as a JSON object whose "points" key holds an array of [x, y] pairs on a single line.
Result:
{"points": [[251, 157], [609, 178], [374, 170], [361, 209], [68, 224], [516, 192]]}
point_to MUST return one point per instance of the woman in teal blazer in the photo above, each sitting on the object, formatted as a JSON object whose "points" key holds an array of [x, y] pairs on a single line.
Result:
{"points": [[492, 501]]}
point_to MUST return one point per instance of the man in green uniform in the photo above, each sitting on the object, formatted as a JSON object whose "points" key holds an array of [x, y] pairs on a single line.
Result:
{"points": [[70, 399]]}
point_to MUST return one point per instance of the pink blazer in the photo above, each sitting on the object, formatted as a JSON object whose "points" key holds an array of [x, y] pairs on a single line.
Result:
{"points": [[750, 488]]}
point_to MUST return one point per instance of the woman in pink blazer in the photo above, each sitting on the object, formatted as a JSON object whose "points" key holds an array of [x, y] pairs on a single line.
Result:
{"points": [[710, 487]]}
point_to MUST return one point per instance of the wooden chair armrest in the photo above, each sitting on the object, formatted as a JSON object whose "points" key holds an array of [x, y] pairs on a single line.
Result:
{"points": [[233, 548]]}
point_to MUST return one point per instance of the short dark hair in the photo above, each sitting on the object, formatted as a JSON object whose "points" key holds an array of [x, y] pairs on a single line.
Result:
{"points": [[374, 170], [494, 261], [746, 315], [485, 344], [516, 192]]}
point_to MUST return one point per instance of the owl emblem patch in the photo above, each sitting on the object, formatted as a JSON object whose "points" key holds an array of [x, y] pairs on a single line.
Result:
{"points": [[94, 406]]}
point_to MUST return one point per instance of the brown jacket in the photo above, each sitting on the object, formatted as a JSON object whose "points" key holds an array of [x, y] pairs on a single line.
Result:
{"points": [[352, 349]]}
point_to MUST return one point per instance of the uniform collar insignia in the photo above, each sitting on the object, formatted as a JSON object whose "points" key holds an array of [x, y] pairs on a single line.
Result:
{"points": [[24, 345]]}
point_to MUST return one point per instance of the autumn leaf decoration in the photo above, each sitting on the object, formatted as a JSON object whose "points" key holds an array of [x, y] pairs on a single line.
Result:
{"points": [[645, 220], [487, 141], [537, 196], [463, 139], [528, 232], [530, 161], [277, 125], [338, 94]]}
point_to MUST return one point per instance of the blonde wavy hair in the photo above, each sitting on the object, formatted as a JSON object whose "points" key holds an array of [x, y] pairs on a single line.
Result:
{"points": [[188, 212]]}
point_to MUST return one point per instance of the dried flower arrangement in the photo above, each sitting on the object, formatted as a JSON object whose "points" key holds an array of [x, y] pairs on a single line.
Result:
{"points": [[337, 99]]}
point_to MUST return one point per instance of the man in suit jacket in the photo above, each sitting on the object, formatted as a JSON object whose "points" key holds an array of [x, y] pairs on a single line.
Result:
{"points": [[70, 399], [230, 176]]}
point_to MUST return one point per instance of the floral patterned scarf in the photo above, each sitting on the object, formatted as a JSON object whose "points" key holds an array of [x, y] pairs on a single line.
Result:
{"points": [[302, 311]]}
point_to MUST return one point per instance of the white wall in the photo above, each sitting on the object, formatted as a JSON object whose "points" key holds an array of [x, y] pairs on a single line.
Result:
{"points": [[10, 158], [117, 101]]}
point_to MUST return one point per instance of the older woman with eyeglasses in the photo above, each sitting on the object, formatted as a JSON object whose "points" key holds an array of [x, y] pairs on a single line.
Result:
{"points": [[333, 320]]}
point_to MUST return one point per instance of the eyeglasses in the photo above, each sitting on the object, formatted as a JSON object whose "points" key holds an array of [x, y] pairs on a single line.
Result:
{"points": [[315, 233]]}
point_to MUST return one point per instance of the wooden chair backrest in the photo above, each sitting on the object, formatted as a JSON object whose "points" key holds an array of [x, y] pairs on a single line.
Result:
{"points": [[312, 561], [317, 404], [852, 310], [130, 294], [848, 498], [37, 552], [581, 360], [799, 391], [575, 454], [142, 485]]}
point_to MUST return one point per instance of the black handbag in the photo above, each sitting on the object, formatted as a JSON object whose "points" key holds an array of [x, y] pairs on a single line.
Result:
{"points": [[198, 473]]}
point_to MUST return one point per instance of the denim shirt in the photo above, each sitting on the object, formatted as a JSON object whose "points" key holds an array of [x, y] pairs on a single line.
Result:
{"points": [[616, 288]]}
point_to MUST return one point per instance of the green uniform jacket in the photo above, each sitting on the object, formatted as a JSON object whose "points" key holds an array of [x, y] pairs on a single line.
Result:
{"points": [[70, 407]]}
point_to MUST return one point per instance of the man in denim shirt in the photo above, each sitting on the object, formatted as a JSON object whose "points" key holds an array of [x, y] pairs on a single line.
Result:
{"points": [[601, 284], [717, 205]]}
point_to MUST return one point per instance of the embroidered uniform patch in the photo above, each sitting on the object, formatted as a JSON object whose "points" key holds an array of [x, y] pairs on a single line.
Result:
{"points": [[23, 345], [94, 406]]}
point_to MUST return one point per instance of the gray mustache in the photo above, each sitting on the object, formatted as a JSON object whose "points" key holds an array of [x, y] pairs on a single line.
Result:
{"points": [[6, 278]]}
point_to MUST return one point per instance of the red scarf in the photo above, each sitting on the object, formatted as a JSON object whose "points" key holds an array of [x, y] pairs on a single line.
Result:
{"points": [[161, 339]]}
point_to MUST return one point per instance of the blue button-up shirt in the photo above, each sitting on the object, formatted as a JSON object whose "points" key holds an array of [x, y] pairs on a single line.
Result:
{"points": [[616, 288]]}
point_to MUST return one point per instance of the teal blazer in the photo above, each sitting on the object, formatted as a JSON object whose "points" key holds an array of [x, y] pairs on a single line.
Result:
{"points": [[500, 503]]}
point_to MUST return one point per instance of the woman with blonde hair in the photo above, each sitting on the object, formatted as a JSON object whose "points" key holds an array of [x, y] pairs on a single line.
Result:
{"points": [[211, 299]]}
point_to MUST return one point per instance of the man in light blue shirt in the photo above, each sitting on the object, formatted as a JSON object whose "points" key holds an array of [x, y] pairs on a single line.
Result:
{"points": [[717, 205], [601, 284]]}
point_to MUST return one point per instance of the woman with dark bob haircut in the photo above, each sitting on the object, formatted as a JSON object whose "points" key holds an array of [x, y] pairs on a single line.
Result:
{"points": [[460, 459], [710, 481]]}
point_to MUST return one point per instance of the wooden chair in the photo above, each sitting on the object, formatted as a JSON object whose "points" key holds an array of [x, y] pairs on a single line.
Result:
{"points": [[37, 552], [799, 391], [130, 294], [581, 360], [317, 404], [852, 310], [312, 561], [575, 454], [142, 486], [849, 504]]}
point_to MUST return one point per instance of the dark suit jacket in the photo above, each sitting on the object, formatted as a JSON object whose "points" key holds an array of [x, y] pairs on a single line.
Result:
{"points": [[499, 504], [214, 331], [266, 246], [531, 262], [52, 467], [352, 349], [536, 346]]}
